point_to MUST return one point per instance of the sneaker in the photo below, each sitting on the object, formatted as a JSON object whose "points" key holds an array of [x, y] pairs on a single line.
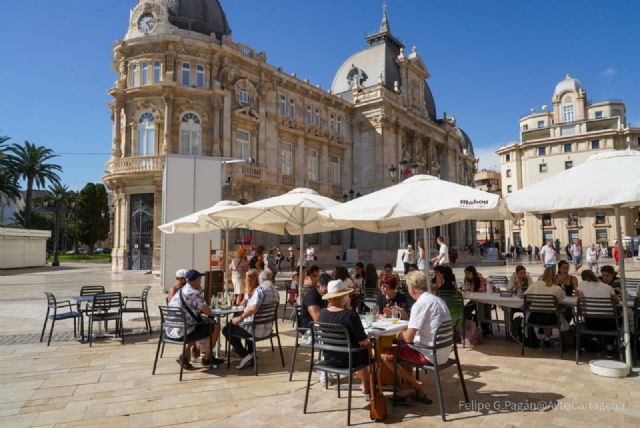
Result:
{"points": [[184, 362], [215, 361], [323, 377], [244, 362]]}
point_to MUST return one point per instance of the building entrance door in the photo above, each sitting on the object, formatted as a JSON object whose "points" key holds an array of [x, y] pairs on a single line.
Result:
{"points": [[141, 232], [574, 235]]}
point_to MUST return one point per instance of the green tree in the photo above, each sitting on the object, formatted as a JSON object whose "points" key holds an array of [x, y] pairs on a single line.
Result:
{"points": [[32, 163], [58, 197], [8, 180], [92, 209]]}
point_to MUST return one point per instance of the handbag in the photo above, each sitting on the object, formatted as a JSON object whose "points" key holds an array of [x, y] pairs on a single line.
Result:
{"points": [[378, 403]]}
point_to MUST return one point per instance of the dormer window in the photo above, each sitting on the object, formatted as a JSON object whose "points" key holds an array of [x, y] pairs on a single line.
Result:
{"points": [[568, 113]]}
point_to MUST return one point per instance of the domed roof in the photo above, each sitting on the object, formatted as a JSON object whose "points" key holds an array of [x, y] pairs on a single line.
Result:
{"points": [[429, 102], [568, 84], [201, 16], [365, 68]]}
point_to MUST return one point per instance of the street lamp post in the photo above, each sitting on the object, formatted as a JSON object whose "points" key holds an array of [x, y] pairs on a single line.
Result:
{"points": [[346, 198], [56, 239]]}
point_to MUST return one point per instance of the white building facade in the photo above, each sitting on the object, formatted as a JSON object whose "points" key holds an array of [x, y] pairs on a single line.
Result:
{"points": [[560, 138]]}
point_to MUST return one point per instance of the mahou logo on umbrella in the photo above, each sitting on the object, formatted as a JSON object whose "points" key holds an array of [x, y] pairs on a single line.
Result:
{"points": [[474, 203]]}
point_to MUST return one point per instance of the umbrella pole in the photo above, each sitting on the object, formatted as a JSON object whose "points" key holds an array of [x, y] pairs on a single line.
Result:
{"points": [[225, 261], [623, 291], [427, 252], [300, 277]]}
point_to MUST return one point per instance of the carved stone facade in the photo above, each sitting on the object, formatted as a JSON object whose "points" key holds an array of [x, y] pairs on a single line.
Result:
{"points": [[181, 91]]}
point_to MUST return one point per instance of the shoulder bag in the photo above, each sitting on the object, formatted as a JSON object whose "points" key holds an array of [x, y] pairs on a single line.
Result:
{"points": [[200, 318], [378, 403]]}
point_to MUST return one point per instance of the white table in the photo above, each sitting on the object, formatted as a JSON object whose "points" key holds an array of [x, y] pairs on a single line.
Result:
{"points": [[385, 327], [218, 313]]}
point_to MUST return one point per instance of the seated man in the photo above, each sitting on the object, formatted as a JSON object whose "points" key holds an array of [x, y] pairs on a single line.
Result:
{"points": [[191, 299], [180, 282], [609, 276], [266, 294], [519, 281], [310, 280], [427, 314], [312, 302]]}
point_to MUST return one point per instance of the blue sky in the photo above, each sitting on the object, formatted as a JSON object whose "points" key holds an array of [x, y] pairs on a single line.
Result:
{"points": [[491, 61]]}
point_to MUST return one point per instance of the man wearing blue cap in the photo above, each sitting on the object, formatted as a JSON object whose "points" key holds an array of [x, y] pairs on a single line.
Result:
{"points": [[191, 299]]}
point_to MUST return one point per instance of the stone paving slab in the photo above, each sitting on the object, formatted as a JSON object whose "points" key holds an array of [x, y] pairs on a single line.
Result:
{"points": [[70, 384]]}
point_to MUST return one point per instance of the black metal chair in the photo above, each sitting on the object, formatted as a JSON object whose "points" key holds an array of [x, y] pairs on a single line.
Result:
{"points": [[266, 314], [334, 338], [444, 338], [632, 285], [106, 307], [142, 309], [456, 305], [287, 291], [544, 304], [171, 317], [597, 308], [300, 331], [54, 305]]}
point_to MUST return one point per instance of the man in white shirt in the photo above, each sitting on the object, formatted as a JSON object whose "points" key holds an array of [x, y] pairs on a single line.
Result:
{"points": [[442, 259], [576, 254], [548, 255], [427, 314]]}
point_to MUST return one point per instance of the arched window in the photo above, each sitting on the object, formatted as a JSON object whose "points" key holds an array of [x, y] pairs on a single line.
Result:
{"points": [[190, 135], [146, 135]]}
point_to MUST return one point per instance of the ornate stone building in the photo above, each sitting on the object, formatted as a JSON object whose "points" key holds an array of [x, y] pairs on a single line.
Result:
{"points": [[185, 86], [558, 139]]}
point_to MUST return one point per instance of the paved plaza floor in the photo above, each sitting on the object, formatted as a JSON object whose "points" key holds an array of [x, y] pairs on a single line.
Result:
{"points": [[109, 384]]}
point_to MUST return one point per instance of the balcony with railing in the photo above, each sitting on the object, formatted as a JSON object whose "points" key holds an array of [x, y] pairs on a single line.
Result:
{"points": [[289, 180], [134, 166], [245, 173]]}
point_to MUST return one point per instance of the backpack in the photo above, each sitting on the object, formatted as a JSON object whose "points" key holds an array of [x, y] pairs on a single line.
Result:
{"points": [[531, 341]]}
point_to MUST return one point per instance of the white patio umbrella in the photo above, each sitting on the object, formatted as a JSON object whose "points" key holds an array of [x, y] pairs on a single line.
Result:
{"points": [[422, 201], [214, 218], [576, 188], [296, 211]]}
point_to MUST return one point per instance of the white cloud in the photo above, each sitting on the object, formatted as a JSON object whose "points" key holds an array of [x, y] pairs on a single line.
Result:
{"points": [[488, 158], [608, 73]]}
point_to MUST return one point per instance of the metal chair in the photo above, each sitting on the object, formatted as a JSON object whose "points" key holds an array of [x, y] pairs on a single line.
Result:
{"points": [[636, 328], [53, 305], [299, 331], [106, 307], [456, 306], [632, 285], [267, 314], [142, 309], [500, 281], [597, 308], [444, 338], [334, 338], [287, 291], [542, 304], [171, 317]]}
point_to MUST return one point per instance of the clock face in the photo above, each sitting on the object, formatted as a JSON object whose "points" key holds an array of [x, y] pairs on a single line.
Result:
{"points": [[147, 22]]}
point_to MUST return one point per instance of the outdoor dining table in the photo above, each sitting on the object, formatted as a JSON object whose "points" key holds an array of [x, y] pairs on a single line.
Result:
{"points": [[87, 299], [218, 313]]}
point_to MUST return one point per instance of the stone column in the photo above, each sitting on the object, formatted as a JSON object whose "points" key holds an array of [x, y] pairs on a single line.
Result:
{"points": [[226, 125], [157, 221], [116, 149], [166, 143], [121, 227], [300, 170], [216, 150]]}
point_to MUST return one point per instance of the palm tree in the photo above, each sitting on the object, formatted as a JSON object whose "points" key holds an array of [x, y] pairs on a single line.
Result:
{"points": [[59, 197], [8, 180], [30, 162]]}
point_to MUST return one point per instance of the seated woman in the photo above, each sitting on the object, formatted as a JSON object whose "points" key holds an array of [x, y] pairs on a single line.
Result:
{"points": [[426, 316], [547, 285], [476, 283], [337, 312], [565, 280], [390, 297], [591, 287], [519, 281], [444, 281]]}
